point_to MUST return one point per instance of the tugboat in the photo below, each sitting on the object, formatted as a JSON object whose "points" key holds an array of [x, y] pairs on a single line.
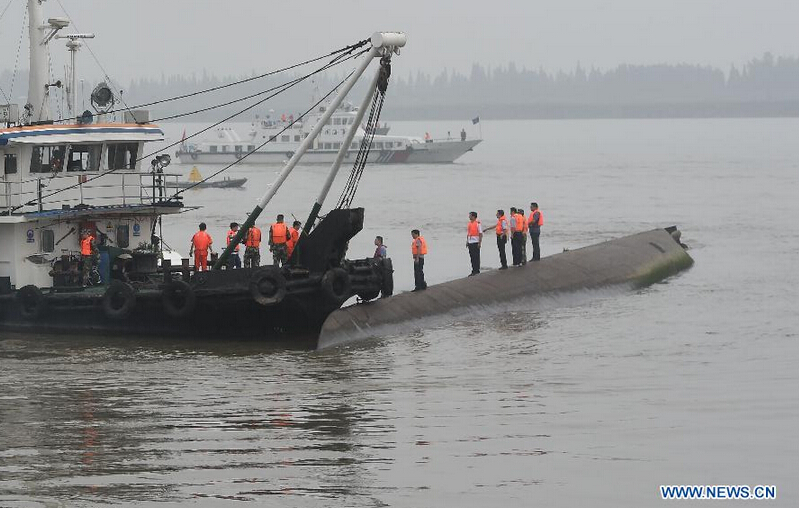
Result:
{"points": [[66, 180]]}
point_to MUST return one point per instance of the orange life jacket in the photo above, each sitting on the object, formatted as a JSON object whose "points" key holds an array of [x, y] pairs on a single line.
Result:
{"points": [[201, 241], [499, 225], [230, 235], [253, 237], [86, 246], [294, 235], [473, 228], [519, 218], [416, 248], [280, 233], [540, 218]]}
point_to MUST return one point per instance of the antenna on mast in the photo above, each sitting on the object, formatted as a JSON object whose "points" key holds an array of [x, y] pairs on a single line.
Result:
{"points": [[73, 45]]}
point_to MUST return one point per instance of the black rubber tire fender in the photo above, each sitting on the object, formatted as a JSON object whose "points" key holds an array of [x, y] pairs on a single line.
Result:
{"points": [[387, 288], [336, 285], [31, 302], [178, 299], [119, 300], [268, 286]]}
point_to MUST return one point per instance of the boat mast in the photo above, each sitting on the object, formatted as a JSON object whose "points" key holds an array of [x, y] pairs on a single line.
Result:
{"points": [[40, 34], [381, 42], [73, 45], [345, 146]]}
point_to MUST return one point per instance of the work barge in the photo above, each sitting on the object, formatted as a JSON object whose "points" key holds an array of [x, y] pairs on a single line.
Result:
{"points": [[64, 178]]}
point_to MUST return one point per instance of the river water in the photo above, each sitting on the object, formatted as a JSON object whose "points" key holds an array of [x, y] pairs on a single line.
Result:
{"points": [[590, 400]]}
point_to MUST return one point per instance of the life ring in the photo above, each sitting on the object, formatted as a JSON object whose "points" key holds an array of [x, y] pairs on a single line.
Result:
{"points": [[289, 155], [31, 301], [387, 269], [178, 299], [336, 285], [119, 300], [268, 286]]}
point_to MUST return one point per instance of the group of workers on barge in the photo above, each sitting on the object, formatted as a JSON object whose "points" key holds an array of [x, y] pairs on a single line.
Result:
{"points": [[282, 240]]}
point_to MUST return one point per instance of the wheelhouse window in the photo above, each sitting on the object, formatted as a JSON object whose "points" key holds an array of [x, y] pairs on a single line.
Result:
{"points": [[122, 155], [336, 145], [123, 236], [250, 148], [213, 148], [10, 166], [84, 157], [48, 158], [296, 138], [285, 138], [48, 240]]}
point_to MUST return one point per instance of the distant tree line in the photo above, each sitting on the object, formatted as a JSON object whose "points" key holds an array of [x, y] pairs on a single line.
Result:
{"points": [[765, 86]]}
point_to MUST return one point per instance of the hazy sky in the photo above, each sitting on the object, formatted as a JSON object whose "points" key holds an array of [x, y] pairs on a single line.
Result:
{"points": [[148, 37]]}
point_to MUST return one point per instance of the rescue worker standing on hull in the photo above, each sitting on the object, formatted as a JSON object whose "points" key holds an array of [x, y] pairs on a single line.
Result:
{"points": [[381, 251], [233, 261], [200, 247], [536, 220], [278, 241], [474, 240], [419, 250], [502, 230], [252, 248], [516, 238], [524, 225], [88, 251]]}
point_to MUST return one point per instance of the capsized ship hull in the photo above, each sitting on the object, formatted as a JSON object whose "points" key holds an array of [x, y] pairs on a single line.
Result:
{"points": [[633, 261]]}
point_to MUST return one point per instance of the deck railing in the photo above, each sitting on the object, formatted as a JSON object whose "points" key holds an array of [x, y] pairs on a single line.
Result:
{"points": [[63, 190]]}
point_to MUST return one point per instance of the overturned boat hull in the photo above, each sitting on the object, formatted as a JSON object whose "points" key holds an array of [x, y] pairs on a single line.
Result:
{"points": [[635, 261]]}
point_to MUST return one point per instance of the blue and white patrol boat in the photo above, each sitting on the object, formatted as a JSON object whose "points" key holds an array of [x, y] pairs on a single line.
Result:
{"points": [[228, 145]]}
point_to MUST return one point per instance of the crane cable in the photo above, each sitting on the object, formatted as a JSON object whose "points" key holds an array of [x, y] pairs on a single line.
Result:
{"points": [[271, 138], [351, 187], [342, 50], [282, 88]]}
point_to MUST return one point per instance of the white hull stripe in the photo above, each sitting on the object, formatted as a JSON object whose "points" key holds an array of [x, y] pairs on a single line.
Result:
{"points": [[5, 137]]}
